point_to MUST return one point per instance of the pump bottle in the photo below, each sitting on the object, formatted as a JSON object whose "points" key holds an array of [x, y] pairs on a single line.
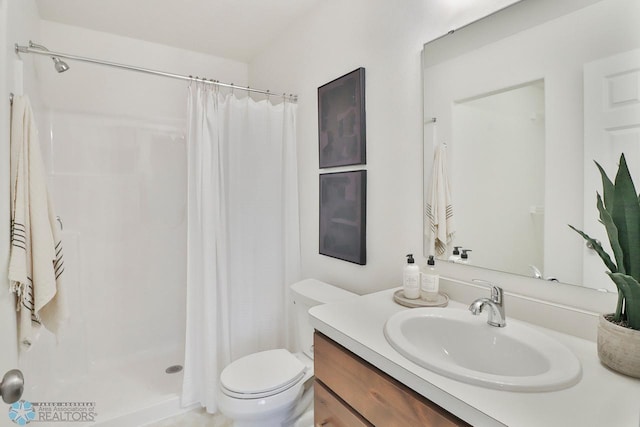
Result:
{"points": [[455, 256], [430, 281], [464, 257], [411, 279]]}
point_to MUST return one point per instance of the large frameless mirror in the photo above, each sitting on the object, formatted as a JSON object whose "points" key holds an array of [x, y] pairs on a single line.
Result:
{"points": [[525, 100]]}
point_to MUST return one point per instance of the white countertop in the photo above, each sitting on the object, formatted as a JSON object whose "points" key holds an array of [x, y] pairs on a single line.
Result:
{"points": [[602, 398]]}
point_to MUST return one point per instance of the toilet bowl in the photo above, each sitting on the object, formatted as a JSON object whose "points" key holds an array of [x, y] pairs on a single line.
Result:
{"points": [[273, 388], [265, 388]]}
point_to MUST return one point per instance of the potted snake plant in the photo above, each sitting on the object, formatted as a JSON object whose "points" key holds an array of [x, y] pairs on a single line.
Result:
{"points": [[619, 332]]}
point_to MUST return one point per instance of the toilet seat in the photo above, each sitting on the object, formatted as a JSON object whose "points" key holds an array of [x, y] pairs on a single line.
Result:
{"points": [[262, 374]]}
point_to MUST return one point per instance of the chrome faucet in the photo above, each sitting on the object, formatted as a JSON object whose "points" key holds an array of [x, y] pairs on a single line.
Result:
{"points": [[495, 305]]}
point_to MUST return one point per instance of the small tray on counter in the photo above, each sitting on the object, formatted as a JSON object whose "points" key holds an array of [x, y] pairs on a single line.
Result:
{"points": [[398, 297]]}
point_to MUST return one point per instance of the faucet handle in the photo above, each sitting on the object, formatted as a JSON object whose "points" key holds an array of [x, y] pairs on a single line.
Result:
{"points": [[496, 291]]}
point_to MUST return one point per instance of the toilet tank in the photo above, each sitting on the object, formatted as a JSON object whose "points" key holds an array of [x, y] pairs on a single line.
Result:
{"points": [[306, 294]]}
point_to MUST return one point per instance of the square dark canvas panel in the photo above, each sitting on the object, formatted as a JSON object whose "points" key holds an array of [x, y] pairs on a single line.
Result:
{"points": [[341, 121], [343, 215]]}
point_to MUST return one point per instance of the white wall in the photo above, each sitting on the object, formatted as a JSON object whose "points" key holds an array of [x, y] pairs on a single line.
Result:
{"points": [[386, 38], [104, 90]]}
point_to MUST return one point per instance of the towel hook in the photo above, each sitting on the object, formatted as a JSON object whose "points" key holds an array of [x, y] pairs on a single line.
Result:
{"points": [[60, 222]]}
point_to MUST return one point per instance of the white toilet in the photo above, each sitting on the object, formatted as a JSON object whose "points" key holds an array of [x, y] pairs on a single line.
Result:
{"points": [[274, 387]]}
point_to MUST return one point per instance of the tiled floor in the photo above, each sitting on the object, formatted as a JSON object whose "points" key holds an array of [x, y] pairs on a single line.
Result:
{"points": [[195, 418]]}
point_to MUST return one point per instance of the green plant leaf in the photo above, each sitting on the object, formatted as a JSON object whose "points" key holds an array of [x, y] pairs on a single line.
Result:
{"points": [[608, 190], [612, 233], [630, 289], [625, 213], [599, 250]]}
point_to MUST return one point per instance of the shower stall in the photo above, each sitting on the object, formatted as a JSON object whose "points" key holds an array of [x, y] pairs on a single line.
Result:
{"points": [[119, 185], [118, 168], [114, 149]]}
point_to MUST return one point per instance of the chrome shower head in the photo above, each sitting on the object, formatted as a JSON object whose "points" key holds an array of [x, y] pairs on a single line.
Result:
{"points": [[60, 65]]}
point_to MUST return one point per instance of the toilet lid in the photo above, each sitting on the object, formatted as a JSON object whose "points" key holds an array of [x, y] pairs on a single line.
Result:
{"points": [[263, 373]]}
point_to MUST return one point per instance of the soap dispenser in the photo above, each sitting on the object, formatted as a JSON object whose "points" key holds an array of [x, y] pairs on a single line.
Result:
{"points": [[430, 281], [455, 256], [411, 279], [464, 256]]}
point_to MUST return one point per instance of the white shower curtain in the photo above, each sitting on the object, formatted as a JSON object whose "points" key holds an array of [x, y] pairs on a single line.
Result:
{"points": [[243, 233]]}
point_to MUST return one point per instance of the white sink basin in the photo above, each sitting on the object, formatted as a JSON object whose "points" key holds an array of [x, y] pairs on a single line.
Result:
{"points": [[459, 345]]}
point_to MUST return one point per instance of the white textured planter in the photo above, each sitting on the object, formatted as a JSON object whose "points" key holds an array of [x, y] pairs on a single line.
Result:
{"points": [[619, 348]]}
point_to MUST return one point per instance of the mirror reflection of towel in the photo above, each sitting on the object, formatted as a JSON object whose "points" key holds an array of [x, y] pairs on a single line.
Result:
{"points": [[36, 260], [439, 210]]}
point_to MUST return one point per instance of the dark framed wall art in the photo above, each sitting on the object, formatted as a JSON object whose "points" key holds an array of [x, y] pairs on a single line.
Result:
{"points": [[341, 121], [343, 215]]}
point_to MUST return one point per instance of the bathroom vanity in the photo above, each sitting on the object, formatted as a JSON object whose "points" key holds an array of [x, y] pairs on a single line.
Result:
{"points": [[361, 380], [351, 392]]}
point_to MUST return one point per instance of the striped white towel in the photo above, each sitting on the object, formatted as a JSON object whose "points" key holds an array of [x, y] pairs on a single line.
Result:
{"points": [[440, 226], [36, 261]]}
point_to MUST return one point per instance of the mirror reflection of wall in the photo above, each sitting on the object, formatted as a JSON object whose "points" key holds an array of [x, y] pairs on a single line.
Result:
{"points": [[505, 128], [538, 46]]}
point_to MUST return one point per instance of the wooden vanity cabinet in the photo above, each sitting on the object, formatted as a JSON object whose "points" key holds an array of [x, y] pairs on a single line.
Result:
{"points": [[350, 392]]}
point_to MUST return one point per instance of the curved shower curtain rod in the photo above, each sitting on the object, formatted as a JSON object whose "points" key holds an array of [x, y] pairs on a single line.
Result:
{"points": [[41, 50]]}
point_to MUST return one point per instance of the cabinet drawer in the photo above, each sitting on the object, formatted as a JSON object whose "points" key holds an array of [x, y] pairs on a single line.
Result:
{"points": [[330, 411], [380, 399]]}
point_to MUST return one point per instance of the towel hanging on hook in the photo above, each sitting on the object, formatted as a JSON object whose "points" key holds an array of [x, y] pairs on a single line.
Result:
{"points": [[440, 226]]}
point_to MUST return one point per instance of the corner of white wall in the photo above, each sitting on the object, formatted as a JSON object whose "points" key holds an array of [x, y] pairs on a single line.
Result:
{"points": [[8, 359]]}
